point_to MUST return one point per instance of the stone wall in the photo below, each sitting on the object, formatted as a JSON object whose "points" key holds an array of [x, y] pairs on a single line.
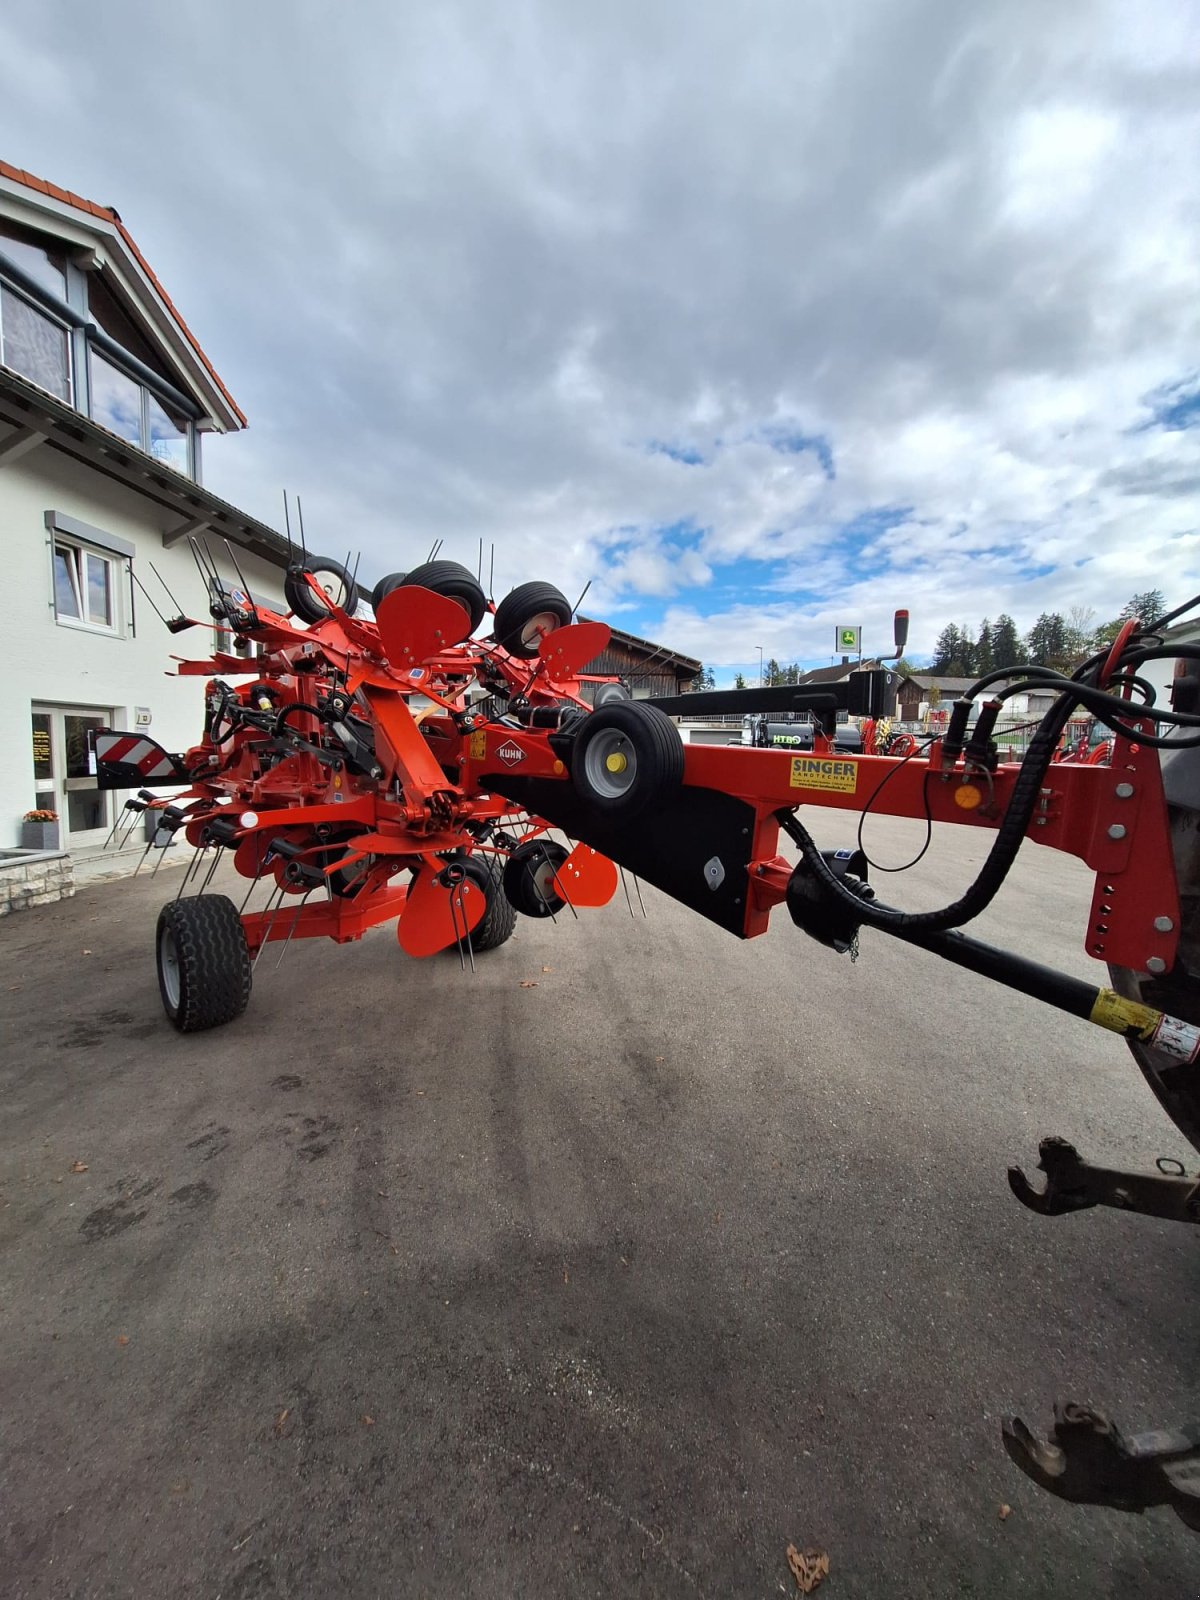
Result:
{"points": [[34, 878]]}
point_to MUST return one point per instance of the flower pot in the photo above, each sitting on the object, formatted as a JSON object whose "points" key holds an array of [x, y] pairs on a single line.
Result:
{"points": [[40, 836]]}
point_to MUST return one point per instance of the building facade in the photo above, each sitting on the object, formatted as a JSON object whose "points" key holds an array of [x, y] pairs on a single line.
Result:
{"points": [[106, 402]]}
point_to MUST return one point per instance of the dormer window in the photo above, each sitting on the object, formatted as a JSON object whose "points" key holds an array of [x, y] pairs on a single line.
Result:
{"points": [[134, 412], [34, 343], [83, 317]]}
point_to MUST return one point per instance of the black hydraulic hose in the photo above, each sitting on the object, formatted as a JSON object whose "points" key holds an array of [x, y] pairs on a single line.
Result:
{"points": [[296, 705], [980, 894]]}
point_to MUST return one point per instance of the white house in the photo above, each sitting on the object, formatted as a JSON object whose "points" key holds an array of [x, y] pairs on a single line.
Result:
{"points": [[106, 399]]}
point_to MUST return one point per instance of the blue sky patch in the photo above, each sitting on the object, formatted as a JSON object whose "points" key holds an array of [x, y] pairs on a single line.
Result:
{"points": [[1174, 406]]}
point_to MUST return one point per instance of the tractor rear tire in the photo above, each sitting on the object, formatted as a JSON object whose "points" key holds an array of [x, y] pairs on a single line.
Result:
{"points": [[204, 971], [456, 583]]}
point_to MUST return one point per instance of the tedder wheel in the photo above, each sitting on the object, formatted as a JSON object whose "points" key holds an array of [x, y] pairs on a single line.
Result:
{"points": [[626, 756], [203, 962], [500, 918], [456, 583], [527, 615], [607, 694], [331, 577], [529, 878], [385, 586]]}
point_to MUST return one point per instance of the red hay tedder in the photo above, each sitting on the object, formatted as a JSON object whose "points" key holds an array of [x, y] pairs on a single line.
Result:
{"points": [[413, 767]]}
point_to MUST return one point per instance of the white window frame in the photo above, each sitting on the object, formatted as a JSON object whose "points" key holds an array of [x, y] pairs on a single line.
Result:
{"points": [[79, 554], [84, 541]]}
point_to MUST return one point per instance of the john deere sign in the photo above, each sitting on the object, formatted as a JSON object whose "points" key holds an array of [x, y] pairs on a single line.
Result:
{"points": [[849, 640]]}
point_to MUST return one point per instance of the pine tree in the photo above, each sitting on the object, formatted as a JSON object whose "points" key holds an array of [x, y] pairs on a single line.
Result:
{"points": [[983, 649], [773, 673], [1006, 642], [739, 682], [953, 653], [1047, 642], [1147, 607]]}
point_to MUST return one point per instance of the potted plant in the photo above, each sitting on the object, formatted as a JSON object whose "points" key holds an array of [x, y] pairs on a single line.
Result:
{"points": [[39, 830]]}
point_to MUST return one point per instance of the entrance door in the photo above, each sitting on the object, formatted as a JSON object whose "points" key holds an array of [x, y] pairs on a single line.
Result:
{"points": [[64, 773]]}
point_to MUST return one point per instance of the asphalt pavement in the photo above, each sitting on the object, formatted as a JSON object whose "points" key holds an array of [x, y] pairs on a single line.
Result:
{"points": [[610, 1269]]}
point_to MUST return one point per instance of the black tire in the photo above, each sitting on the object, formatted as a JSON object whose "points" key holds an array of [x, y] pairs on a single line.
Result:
{"points": [[500, 918], [645, 743], [204, 969], [527, 615], [456, 583], [528, 875], [332, 577], [385, 586]]}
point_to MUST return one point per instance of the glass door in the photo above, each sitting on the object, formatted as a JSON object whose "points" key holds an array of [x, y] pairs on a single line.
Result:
{"points": [[64, 767]]}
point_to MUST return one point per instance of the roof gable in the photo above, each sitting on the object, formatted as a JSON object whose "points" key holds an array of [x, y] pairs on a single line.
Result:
{"points": [[85, 225]]}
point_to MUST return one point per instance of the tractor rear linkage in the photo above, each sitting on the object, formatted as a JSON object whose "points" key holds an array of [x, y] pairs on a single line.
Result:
{"points": [[363, 750]]}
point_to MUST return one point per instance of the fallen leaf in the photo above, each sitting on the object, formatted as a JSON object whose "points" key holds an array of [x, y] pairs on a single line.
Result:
{"points": [[528, 983], [659, 1059], [808, 1567], [122, 1338], [368, 1422], [185, 1485], [566, 1276], [87, 952], [79, 1166], [13, 987], [1004, 1513], [281, 1419], [395, 1249], [547, 969]]}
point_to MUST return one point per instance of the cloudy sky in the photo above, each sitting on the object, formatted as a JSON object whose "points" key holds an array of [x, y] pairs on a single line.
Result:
{"points": [[763, 318]]}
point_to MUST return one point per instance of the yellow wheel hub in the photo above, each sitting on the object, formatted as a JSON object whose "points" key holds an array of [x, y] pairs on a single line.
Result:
{"points": [[615, 762]]}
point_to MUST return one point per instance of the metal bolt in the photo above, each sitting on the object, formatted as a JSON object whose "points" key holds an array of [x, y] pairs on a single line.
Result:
{"points": [[1163, 925], [1117, 831], [1156, 964], [1124, 790]]}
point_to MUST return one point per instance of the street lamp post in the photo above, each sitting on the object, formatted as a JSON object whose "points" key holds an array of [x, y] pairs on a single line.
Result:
{"points": [[759, 648]]}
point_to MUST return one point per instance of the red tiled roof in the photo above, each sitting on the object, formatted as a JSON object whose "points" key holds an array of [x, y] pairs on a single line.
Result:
{"points": [[108, 214]]}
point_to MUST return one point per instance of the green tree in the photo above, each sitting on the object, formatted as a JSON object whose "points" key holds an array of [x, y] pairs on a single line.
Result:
{"points": [[954, 652], [1147, 607], [983, 648], [1047, 641], [739, 682], [772, 674], [1006, 642]]}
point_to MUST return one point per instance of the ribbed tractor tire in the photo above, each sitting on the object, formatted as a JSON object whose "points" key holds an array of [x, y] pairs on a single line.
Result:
{"points": [[204, 971], [385, 586], [500, 918], [626, 757], [518, 611], [456, 583], [300, 597]]}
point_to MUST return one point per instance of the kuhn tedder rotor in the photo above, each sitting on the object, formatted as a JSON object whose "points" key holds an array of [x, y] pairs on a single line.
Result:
{"points": [[412, 767]]}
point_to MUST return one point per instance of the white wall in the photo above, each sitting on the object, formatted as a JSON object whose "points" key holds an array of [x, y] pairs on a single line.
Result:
{"points": [[47, 661]]}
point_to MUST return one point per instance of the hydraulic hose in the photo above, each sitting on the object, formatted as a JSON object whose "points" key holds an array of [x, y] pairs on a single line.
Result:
{"points": [[1000, 858]]}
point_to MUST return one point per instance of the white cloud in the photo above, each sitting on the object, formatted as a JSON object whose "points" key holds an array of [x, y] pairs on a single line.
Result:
{"points": [[461, 267]]}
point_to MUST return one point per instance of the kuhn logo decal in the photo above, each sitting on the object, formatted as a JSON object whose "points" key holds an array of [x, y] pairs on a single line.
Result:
{"points": [[510, 753]]}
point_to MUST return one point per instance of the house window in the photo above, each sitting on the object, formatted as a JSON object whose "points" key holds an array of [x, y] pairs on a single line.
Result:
{"points": [[129, 409], [85, 587], [34, 344]]}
